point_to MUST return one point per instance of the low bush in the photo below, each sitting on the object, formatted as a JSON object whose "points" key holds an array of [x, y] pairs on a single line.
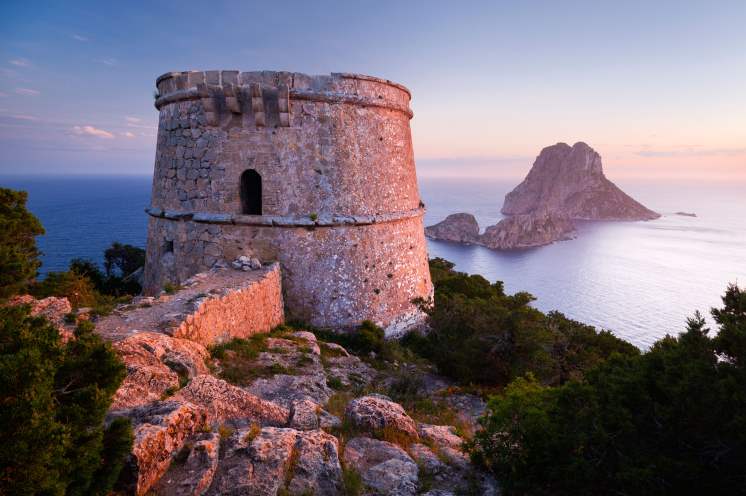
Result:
{"points": [[669, 421], [480, 335], [54, 397]]}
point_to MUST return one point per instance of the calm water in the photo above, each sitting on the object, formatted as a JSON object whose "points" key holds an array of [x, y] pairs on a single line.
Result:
{"points": [[639, 279]]}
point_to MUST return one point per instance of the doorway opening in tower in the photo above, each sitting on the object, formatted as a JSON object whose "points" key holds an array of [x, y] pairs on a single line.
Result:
{"points": [[251, 192]]}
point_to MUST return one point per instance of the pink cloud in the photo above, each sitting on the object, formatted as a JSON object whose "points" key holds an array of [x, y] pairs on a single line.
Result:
{"points": [[27, 92], [91, 131]]}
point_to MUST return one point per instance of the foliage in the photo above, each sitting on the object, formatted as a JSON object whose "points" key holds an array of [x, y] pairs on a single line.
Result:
{"points": [[122, 259], [367, 338], [669, 421], [480, 335], [55, 396], [19, 256], [85, 285]]}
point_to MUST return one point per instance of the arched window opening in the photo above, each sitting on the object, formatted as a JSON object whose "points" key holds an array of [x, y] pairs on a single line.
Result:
{"points": [[251, 193]]}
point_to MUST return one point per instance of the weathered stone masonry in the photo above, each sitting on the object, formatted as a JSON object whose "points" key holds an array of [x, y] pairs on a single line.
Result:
{"points": [[340, 208]]}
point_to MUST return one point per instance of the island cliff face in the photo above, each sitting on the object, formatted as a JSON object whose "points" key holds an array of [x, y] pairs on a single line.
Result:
{"points": [[527, 231], [569, 181], [460, 228]]}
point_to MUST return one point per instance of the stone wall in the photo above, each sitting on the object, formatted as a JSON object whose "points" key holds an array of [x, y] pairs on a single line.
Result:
{"points": [[213, 307], [340, 206], [249, 308]]}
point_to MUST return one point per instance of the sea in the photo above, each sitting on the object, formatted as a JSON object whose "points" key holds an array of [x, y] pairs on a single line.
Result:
{"points": [[640, 280]]}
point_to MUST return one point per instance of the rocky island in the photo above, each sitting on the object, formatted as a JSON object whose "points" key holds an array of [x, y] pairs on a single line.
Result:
{"points": [[564, 184], [569, 180], [460, 228], [514, 232]]}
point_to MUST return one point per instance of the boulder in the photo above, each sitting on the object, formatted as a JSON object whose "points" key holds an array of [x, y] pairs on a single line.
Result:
{"points": [[569, 181], [445, 442], [276, 459], [192, 477], [160, 430], [460, 228], [376, 413], [384, 467], [304, 415], [223, 401], [426, 459], [155, 362]]}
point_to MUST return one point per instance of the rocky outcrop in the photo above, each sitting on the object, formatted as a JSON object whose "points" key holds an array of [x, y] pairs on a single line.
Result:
{"points": [[223, 401], [156, 363], [460, 228], [160, 430], [383, 466], [376, 413], [52, 308], [527, 230], [279, 459], [269, 433], [192, 476], [569, 181]]}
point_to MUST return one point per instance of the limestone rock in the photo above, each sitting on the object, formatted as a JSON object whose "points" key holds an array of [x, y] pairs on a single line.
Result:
{"points": [[305, 378], [51, 308], [223, 401], [279, 458], [528, 230], [317, 469], [426, 459], [446, 442], [193, 476], [460, 227], [383, 466], [303, 415], [440, 435], [160, 430], [569, 181], [376, 413], [154, 363]]}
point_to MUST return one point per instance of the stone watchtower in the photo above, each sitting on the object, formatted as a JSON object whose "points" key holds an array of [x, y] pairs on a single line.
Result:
{"points": [[316, 172]]}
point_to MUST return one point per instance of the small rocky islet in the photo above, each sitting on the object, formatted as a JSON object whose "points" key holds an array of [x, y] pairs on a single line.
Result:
{"points": [[565, 183]]}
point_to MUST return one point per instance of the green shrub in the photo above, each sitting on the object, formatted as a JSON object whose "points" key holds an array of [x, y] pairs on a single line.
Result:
{"points": [[54, 397], [367, 338], [480, 335], [669, 421], [19, 256]]}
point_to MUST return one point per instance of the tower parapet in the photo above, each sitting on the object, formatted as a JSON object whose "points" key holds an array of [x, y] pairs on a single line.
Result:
{"points": [[316, 172]]}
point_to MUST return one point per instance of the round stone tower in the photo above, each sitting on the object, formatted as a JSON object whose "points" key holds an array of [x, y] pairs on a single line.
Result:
{"points": [[316, 172]]}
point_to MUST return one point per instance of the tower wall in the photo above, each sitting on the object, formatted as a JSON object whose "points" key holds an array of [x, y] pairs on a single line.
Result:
{"points": [[341, 211]]}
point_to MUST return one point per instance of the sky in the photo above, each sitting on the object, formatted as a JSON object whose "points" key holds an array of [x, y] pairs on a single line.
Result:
{"points": [[657, 88]]}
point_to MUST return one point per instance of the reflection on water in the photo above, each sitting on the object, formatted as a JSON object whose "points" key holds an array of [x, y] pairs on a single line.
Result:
{"points": [[638, 279]]}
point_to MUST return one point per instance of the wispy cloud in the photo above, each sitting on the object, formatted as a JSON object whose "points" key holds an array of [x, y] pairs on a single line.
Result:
{"points": [[694, 152], [111, 62], [91, 131], [79, 37], [19, 62], [128, 134], [3, 95], [24, 117], [136, 122], [27, 92]]}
